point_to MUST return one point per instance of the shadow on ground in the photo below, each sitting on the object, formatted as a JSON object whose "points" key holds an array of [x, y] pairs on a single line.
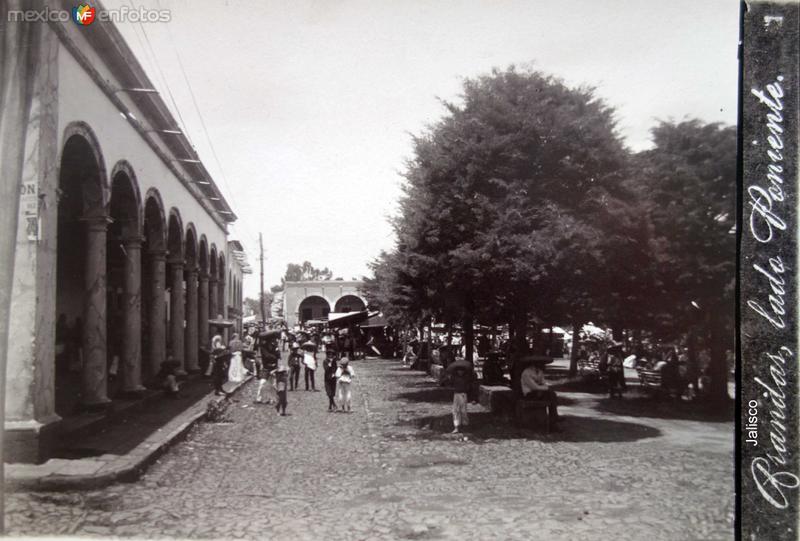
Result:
{"points": [[486, 426], [665, 408]]}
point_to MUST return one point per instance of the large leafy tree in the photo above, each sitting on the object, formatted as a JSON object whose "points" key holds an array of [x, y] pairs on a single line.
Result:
{"points": [[306, 271], [507, 198], [688, 183]]}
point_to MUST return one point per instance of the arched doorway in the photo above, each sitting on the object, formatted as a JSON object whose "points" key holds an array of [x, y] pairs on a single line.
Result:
{"points": [[123, 306], [349, 303], [313, 307], [154, 308], [80, 276]]}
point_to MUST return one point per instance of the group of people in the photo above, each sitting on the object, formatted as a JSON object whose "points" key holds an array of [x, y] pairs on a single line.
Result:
{"points": [[276, 363]]}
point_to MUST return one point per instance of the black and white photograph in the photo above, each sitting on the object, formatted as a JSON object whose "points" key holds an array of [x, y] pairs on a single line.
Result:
{"points": [[378, 270]]}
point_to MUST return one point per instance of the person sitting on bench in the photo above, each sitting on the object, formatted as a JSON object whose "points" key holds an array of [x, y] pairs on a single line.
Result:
{"points": [[533, 387]]}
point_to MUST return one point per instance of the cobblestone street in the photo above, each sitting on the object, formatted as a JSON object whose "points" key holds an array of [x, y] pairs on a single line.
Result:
{"points": [[391, 470]]}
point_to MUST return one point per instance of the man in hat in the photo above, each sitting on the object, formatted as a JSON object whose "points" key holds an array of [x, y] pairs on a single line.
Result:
{"points": [[294, 366], [330, 366], [310, 363], [460, 373], [533, 387]]}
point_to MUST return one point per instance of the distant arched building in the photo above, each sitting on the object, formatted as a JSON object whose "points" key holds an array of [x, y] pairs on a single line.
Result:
{"points": [[316, 299]]}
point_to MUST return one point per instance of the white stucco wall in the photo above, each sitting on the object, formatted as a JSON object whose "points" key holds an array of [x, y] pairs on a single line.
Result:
{"points": [[80, 100]]}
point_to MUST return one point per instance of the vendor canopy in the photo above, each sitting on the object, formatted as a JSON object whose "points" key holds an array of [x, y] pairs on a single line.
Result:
{"points": [[374, 322], [343, 319]]}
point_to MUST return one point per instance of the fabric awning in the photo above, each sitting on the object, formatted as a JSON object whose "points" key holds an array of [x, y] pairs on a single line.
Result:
{"points": [[374, 321], [343, 319]]}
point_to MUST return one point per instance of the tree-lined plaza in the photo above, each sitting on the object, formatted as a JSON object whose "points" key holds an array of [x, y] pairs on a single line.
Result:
{"points": [[522, 207]]}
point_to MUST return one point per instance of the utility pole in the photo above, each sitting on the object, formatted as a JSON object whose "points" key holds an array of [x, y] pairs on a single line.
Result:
{"points": [[261, 297]]}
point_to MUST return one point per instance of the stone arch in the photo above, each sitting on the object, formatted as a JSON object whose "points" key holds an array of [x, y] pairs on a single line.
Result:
{"points": [[349, 303], [125, 198], [175, 234], [202, 254], [190, 247], [80, 142], [213, 261], [80, 303], [313, 307], [154, 227]]}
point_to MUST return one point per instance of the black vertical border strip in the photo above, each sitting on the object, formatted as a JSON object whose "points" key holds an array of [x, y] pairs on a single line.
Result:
{"points": [[737, 438], [769, 49]]}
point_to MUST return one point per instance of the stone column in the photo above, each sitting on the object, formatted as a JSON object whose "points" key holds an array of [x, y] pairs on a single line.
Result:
{"points": [[221, 308], [202, 308], [158, 333], [132, 332], [190, 346], [213, 297], [176, 338], [95, 370]]}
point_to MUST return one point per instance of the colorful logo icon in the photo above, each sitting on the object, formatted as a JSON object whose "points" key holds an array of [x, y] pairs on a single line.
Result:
{"points": [[83, 14]]}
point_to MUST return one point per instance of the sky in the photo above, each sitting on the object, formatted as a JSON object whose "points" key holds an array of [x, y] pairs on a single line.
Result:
{"points": [[310, 105]]}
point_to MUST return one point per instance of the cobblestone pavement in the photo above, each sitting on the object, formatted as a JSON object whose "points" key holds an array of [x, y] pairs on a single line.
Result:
{"points": [[390, 470]]}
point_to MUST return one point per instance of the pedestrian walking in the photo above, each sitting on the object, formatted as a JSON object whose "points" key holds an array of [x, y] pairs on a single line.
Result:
{"points": [[281, 377], [344, 378], [295, 359], [219, 362], [269, 362], [236, 371], [310, 363], [330, 366], [460, 373]]}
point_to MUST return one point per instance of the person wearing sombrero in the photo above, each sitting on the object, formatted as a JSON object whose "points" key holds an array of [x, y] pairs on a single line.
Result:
{"points": [[330, 366], [615, 370], [310, 363], [344, 377], [460, 374], [295, 358], [534, 387]]}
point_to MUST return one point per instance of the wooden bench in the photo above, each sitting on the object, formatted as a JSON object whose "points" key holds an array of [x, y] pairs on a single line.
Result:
{"points": [[650, 379], [437, 373], [496, 398], [499, 399], [524, 408], [591, 368]]}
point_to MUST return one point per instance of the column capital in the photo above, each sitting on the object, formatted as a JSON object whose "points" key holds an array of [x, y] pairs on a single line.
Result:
{"points": [[192, 269], [97, 222], [212, 279], [157, 254], [203, 276], [134, 241], [175, 261]]}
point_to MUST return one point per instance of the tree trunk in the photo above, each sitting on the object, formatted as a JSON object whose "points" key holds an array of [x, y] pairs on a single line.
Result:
{"points": [[469, 333], [573, 354], [616, 333], [718, 366]]}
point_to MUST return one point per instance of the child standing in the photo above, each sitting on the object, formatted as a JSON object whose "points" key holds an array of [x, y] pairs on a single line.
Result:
{"points": [[344, 377], [281, 375]]}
